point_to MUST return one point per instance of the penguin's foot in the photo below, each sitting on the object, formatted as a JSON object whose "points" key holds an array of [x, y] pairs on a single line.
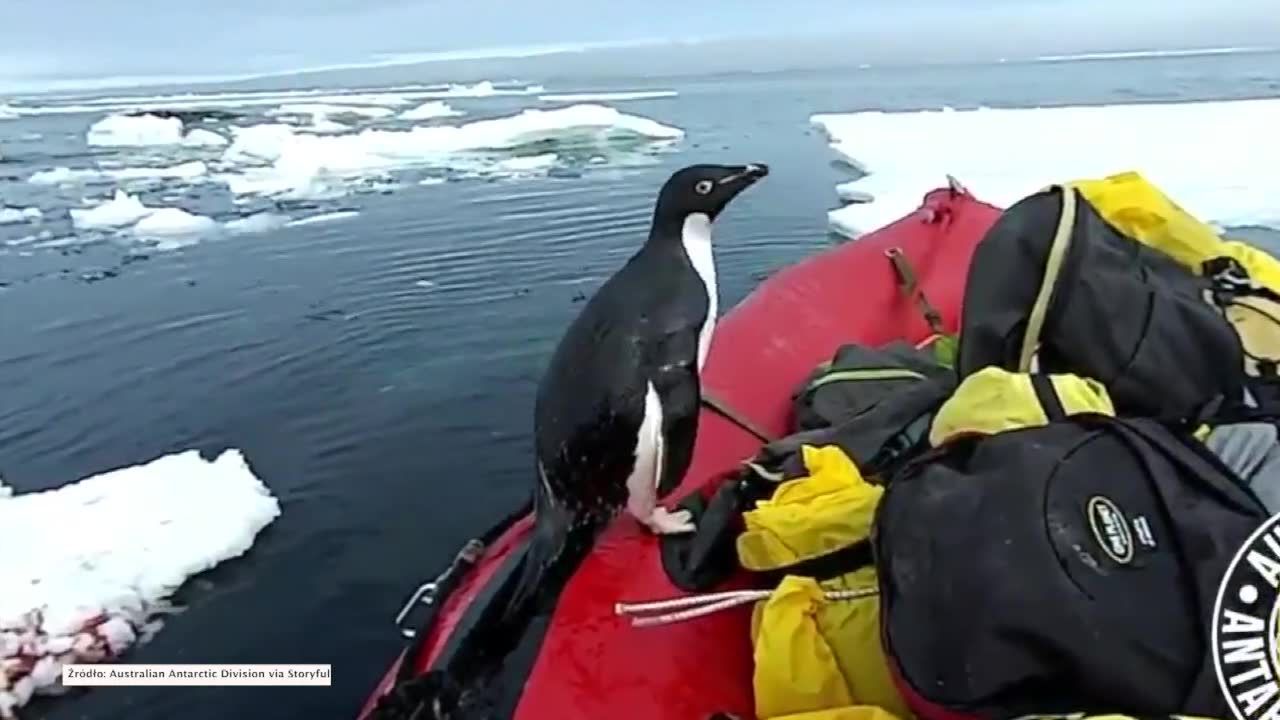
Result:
{"points": [[664, 522]]}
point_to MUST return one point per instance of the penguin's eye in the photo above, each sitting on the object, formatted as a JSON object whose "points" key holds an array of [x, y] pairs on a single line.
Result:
{"points": [[703, 187]]}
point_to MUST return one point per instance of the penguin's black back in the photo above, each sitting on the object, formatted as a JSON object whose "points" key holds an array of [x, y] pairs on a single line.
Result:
{"points": [[590, 403]]}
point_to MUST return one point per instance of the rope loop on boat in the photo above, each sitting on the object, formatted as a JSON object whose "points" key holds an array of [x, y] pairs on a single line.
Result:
{"points": [[695, 606]]}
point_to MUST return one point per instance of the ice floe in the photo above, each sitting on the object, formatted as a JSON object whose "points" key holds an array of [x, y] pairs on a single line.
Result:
{"points": [[256, 223], [1226, 176], [164, 223], [609, 96], [120, 211], [324, 110], [16, 215], [429, 110], [323, 218], [67, 176], [135, 130], [63, 176], [145, 130], [183, 171], [204, 138], [296, 161], [100, 558]]}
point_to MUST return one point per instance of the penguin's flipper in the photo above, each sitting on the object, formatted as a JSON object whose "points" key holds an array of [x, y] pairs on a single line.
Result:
{"points": [[675, 378]]}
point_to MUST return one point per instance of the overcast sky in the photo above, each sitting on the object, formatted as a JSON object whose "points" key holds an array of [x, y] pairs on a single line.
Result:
{"points": [[86, 39]]}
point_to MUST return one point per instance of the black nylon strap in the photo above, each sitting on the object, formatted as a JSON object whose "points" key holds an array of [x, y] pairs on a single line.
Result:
{"points": [[825, 567], [1048, 398]]}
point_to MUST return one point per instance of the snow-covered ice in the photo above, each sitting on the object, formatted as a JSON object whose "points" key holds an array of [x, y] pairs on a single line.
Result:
{"points": [[429, 110], [325, 109], [204, 138], [256, 223], [120, 211], [17, 215], [1215, 158], [183, 171], [139, 533], [323, 218], [125, 130], [63, 176], [609, 96], [295, 160], [135, 130], [165, 223]]}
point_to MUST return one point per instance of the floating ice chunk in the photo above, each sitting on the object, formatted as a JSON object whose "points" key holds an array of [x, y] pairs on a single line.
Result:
{"points": [[324, 218], [120, 211], [173, 222], [1002, 155], [8, 112], [527, 164], [184, 171], [609, 96], [15, 215], [299, 159], [140, 533], [204, 138], [321, 110], [135, 130], [257, 143], [63, 176], [486, 88], [429, 110], [257, 223]]}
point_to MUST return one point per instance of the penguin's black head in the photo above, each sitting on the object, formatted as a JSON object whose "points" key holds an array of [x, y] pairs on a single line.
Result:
{"points": [[705, 189]]}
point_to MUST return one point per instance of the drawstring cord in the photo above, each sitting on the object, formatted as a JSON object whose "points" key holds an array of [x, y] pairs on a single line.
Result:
{"points": [[695, 606]]}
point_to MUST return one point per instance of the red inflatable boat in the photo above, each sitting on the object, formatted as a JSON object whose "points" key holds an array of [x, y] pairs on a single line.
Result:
{"points": [[594, 664]]}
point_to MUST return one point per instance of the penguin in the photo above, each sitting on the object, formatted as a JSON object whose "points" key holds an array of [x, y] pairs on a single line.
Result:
{"points": [[616, 413], [617, 410]]}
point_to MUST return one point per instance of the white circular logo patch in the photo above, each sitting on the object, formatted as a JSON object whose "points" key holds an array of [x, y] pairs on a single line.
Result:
{"points": [[1244, 627]]}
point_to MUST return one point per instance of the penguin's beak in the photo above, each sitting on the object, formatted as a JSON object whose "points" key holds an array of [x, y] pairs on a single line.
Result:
{"points": [[745, 176]]}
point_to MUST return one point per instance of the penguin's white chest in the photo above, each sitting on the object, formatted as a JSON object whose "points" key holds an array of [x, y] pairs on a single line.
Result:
{"points": [[696, 238]]}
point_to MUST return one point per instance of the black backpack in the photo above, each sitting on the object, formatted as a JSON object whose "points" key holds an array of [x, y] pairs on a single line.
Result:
{"points": [[1054, 288], [1069, 567]]}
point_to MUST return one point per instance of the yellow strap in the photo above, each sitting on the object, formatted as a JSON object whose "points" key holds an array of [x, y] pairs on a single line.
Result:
{"points": [[1053, 266]]}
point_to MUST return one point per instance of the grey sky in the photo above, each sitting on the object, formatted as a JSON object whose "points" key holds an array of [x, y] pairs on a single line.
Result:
{"points": [[84, 39]]}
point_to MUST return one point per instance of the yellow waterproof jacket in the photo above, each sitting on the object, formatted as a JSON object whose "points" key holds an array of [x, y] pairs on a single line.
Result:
{"points": [[994, 400], [818, 658]]}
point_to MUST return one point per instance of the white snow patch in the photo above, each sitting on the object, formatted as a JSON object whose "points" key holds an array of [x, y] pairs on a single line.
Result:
{"points": [[609, 96], [486, 88], [98, 559], [135, 130], [297, 161], [204, 138], [1227, 176], [324, 218], [527, 164], [323, 110], [144, 130], [183, 171], [120, 211], [63, 176], [256, 223], [167, 223], [16, 215], [429, 110]]}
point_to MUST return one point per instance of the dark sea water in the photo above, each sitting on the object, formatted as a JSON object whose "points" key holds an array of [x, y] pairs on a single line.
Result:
{"points": [[378, 372]]}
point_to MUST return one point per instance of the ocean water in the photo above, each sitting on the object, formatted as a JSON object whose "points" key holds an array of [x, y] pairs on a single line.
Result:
{"points": [[378, 369]]}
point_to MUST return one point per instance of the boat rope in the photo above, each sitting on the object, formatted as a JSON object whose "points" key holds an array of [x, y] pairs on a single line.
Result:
{"points": [[716, 403], [910, 287], [695, 606]]}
